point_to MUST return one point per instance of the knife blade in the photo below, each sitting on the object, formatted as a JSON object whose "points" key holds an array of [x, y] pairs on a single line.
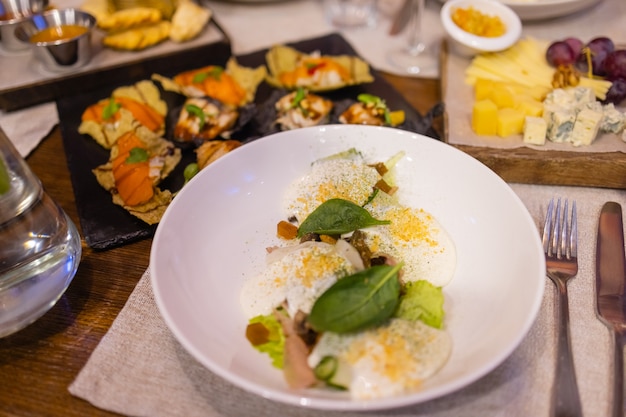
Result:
{"points": [[611, 291]]}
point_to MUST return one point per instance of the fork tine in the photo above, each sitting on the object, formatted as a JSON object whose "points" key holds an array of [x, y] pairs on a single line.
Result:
{"points": [[555, 247], [547, 227], [564, 246], [573, 244]]}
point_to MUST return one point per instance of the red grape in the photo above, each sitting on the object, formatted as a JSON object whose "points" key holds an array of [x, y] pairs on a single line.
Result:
{"points": [[615, 64], [599, 48], [617, 92], [574, 43], [560, 53]]}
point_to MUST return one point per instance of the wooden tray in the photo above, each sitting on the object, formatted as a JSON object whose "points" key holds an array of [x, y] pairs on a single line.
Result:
{"points": [[528, 166], [24, 82], [106, 225]]}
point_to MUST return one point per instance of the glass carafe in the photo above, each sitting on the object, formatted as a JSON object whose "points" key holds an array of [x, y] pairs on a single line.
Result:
{"points": [[40, 247]]}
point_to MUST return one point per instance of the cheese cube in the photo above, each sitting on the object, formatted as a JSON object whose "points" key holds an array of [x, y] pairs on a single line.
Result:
{"points": [[529, 106], [510, 122], [502, 97], [538, 92], [484, 115], [582, 95], [614, 120], [483, 88], [535, 129], [586, 127], [559, 97], [560, 122]]}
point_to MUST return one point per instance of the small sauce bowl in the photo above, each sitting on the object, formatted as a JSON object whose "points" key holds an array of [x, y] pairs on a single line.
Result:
{"points": [[12, 13], [468, 44], [60, 38]]}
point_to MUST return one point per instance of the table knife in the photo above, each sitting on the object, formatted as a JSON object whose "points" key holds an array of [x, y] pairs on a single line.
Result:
{"points": [[611, 291]]}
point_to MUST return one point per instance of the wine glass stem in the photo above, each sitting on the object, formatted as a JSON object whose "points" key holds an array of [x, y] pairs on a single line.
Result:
{"points": [[415, 44]]}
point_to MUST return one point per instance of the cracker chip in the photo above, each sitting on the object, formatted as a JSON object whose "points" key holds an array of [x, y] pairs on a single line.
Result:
{"points": [[139, 38], [188, 21], [144, 92], [282, 60], [247, 78], [121, 20]]}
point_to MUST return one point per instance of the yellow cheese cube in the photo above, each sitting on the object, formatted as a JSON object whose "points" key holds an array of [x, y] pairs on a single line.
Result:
{"points": [[502, 96], [484, 117], [483, 88], [510, 122], [529, 106], [538, 92]]}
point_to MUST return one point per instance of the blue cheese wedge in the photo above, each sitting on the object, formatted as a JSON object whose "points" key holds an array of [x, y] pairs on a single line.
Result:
{"points": [[613, 121], [581, 96], [560, 121], [535, 129], [586, 127]]}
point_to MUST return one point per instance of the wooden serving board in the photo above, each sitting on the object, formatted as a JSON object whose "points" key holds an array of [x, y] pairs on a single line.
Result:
{"points": [[24, 82], [548, 167]]}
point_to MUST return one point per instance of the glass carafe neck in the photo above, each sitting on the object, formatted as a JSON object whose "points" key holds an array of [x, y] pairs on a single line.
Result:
{"points": [[19, 186]]}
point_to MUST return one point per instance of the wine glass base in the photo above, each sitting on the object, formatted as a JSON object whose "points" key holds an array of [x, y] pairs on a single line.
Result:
{"points": [[414, 63]]}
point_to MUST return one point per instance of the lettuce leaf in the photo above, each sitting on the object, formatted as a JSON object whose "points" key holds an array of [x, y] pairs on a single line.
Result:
{"points": [[423, 301], [275, 345]]}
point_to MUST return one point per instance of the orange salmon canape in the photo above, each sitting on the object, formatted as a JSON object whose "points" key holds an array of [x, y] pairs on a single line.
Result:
{"points": [[214, 82], [107, 111], [131, 170], [314, 68]]}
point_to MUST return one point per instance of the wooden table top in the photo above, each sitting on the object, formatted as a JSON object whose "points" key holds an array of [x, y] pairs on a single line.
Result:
{"points": [[38, 363]]}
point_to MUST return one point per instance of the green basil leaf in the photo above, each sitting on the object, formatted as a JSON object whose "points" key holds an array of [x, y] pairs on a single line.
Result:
{"points": [[137, 155], [110, 109], [198, 112], [337, 216], [358, 301]]}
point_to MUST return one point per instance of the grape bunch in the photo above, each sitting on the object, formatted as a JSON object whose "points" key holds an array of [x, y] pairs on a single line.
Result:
{"points": [[606, 62]]}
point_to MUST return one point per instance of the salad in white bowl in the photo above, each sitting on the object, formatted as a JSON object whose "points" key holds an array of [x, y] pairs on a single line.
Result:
{"points": [[351, 298]]}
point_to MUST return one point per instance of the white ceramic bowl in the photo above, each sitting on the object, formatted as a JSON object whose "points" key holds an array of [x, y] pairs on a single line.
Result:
{"points": [[215, 232], [529, 10], [467, 44]]}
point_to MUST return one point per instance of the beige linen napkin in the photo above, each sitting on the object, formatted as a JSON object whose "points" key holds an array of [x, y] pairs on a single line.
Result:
{"points": [[27, 128], [139, 368]]}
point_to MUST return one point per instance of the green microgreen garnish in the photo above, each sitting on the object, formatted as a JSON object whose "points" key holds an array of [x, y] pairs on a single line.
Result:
{"points": [[214, 72], [137, 155], [198, 112], [110, 109], [377, 103], [190, 171], [300, 95]]}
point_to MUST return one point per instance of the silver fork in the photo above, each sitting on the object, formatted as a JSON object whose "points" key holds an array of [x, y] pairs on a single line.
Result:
{"points": [[560, 246]]}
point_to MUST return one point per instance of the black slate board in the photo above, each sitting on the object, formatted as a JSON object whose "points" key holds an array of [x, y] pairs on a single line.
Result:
{"points": [[106, 225]]}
